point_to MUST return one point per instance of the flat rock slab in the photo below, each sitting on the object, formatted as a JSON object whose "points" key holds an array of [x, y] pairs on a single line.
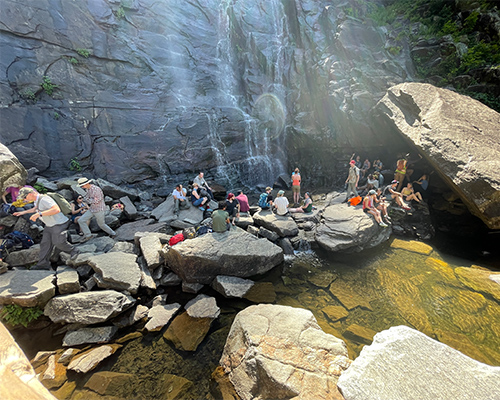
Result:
{"points": [[314, 216], [22, 258], [111, 383], [102, 334], [67, 280], [234, 253], [186, 333], [91, 359], [349, 229], [412, 245], [360, 334], [27, 288], [126, 232], [459, 138], [87, 308], [202, 306], [160, 315], [150, 247], [283, 226], [274, 349], [117, 270], [231, 286], [335, 313], [403, 363], [348, 297], [479, 280]]}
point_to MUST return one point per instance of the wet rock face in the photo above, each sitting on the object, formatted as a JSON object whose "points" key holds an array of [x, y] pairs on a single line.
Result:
{"points": [[165, 89], [458, 136]]}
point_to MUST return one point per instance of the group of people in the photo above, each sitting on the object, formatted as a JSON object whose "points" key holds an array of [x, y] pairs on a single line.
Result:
{"points": [[375, 200]]}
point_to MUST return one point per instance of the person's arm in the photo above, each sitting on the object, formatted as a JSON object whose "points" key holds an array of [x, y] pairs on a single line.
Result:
{"points": [[28, 211], [357, 178], [73, 209], [195, 194], [51, 211], [4, 198]]}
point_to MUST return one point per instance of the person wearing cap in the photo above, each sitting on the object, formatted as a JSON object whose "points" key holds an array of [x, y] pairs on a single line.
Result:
{"points": [[56, 225], [307, 207], [232, 207], [369, 207], [94, 198], [281, 203], [390, 193], [352, 180]]}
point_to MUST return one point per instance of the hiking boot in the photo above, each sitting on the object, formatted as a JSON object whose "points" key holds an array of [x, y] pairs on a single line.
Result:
{"points": [[87, 238]]}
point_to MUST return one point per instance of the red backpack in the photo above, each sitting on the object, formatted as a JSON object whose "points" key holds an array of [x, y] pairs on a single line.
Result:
{"points": [[176, 239]]}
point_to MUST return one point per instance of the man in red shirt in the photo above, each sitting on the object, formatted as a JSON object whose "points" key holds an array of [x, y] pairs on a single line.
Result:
{"points": [[243, 199]]}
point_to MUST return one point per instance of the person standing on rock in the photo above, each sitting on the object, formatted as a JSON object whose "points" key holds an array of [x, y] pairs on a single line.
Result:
{"points": [[56, 225], [352, 180], [95, 200], [296, 179]]}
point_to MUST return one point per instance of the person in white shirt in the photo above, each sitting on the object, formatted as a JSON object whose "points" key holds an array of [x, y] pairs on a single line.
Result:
{"points": [[281, 203], [202, 183], [180, 200]]}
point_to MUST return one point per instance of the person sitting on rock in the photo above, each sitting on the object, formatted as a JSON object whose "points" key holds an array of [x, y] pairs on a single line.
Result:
{"points": [[390, 193], [307, 207], [180, 200], [203, 186], [377, 165], [56, 225], [266, 199], [220, 219], [357, 160], [243, 200], [232, 207], [281, 203], [78, 208], [382, 206], [196, 199], [410, 194], [13, 192], [366, 166], [421, 185], [369, 207]]}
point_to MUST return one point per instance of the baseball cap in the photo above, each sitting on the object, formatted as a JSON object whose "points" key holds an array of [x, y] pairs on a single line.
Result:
{"points": [[394, 181], [24, 192], [352, 162], [281, 192], [372, 192]]}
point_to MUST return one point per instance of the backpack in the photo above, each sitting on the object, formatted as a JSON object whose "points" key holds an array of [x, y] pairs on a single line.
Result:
{"points": [[6, 209], [203, 229], [207, 214], [21, 240], [176, 239], [263, 200], [61, 202], [189, 233]]}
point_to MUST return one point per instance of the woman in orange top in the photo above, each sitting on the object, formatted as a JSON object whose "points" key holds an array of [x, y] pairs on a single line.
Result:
{"points": [[296, 185]]}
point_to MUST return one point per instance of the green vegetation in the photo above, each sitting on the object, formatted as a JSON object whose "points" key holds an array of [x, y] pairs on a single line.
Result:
{"points": [[74, 165], [17, 315], [83, 52], [120, 13], [72, 60], [28, 94], [40, 188], [48, 86], [56, 115]]}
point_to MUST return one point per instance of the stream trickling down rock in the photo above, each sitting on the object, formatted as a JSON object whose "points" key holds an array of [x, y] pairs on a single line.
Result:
{"points": [[353, 296]]}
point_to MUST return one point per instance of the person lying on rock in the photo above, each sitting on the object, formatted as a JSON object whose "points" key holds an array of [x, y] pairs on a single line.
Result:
{"points": [[203, 185], [390, 193], [307, 207], [220, 219], [56, 225], [369, 207], [281, 203], [180, 200], [196, 199], [94, 197], [232, 207]]}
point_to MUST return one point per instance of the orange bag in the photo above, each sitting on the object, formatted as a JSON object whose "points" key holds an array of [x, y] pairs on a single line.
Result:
{"points": [[355, 201]]}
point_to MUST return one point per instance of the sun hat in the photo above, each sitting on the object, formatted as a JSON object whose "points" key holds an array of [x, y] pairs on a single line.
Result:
{"points": [[371, 192], [24, 192], [83, 181], [281, 192]]}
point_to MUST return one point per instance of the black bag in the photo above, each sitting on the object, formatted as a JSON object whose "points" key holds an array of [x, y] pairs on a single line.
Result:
{"points": [[203, 193], [207, 214]]}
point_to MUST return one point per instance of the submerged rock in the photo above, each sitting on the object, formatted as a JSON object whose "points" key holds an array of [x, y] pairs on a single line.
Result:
{"points": [[90, 359], [431, 370], [457, 135], [481, 281], [412, 245], [349, 229], [281, 352], [233, 253], [111, 383], [186, 332]]}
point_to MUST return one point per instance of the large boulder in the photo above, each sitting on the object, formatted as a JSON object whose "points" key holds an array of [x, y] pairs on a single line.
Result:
{"points": [[280, 352], [457, 135], [117, 270], [349, 229], [233, 253], [27, 288], [403, 363], [11, 170], [87, 308], [282, 225]]}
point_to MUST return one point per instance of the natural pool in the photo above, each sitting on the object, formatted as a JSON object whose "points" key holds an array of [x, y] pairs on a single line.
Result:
{"points": [[352, 297]]}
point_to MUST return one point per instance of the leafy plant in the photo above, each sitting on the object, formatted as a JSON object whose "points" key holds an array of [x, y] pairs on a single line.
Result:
{"points": [[48, 86], [120, 13], [74, 165], [56, 115], [83, 52], [73, 60], [28, 94], [40, 188], [17, 315], [394, 50]]}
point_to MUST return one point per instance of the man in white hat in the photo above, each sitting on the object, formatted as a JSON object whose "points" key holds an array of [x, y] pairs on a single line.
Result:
{"points": [[95, 199], [56, 225]]}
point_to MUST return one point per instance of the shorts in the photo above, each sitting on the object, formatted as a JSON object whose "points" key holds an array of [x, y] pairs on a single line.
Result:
{"points": [[366, 210], [296, 189]]}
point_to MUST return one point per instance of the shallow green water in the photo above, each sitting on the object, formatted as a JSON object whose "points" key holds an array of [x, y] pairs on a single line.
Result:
{"points": [[349, 295]]}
